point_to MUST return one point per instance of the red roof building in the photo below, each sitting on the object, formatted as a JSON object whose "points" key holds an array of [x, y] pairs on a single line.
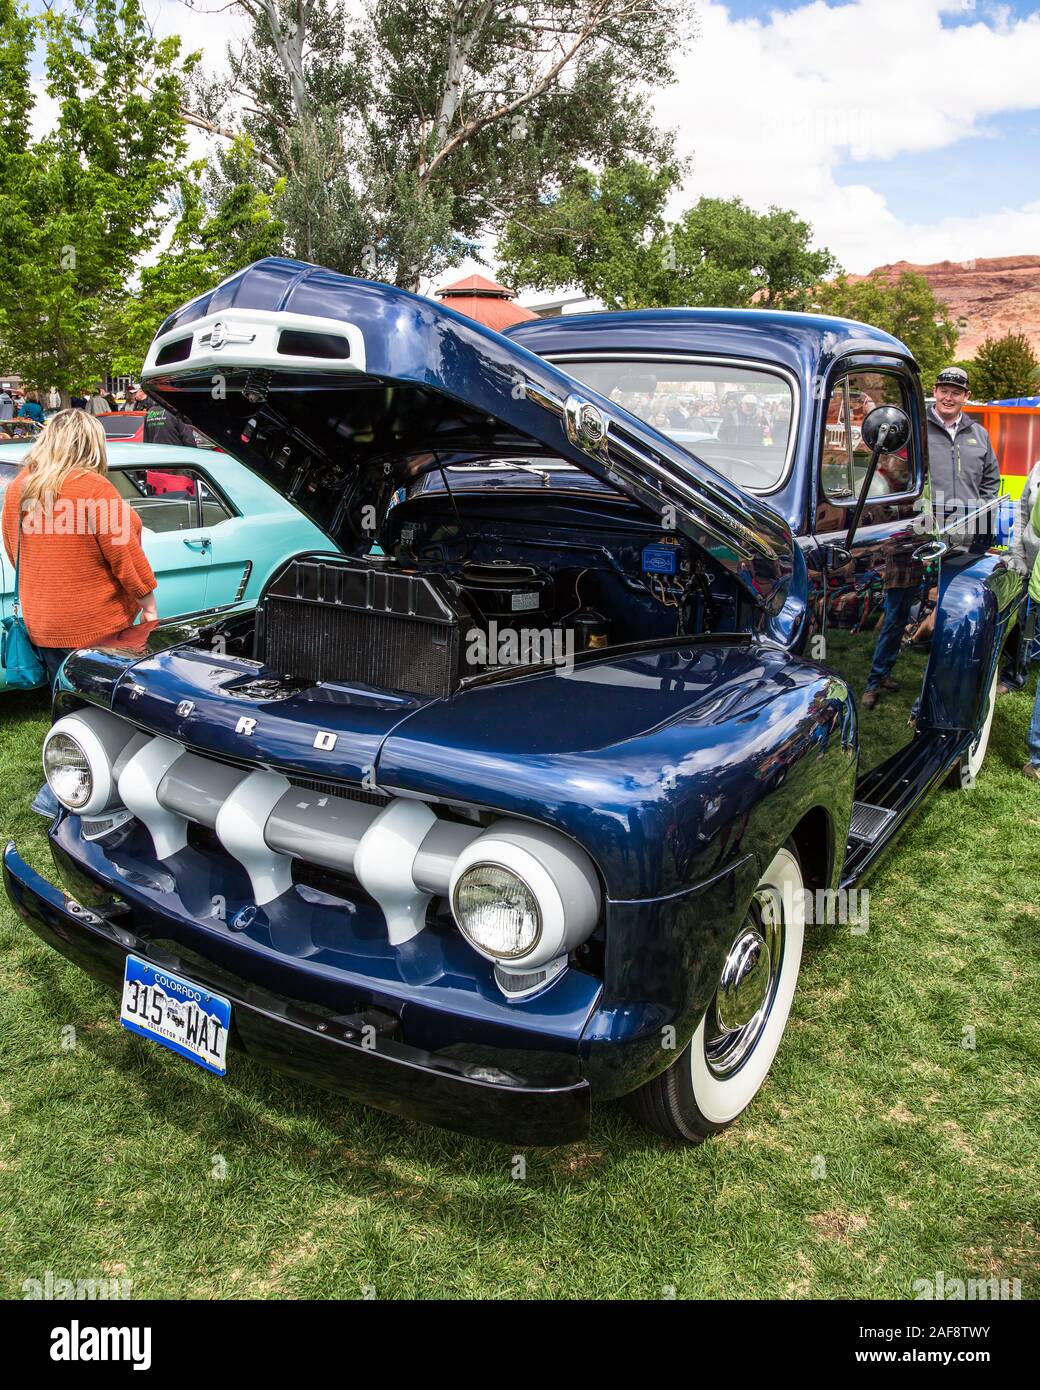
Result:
{"points": [[483, 300]]}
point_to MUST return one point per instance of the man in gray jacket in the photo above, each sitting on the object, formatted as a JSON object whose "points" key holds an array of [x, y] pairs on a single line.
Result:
{"points": [[962, 468]]}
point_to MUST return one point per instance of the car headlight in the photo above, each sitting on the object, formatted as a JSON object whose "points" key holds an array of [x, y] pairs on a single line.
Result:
{"points": [[496, 911], [79, 757], [524, 896], [67, 771]]}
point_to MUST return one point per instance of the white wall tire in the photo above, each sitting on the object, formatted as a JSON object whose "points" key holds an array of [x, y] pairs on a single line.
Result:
{"points": [[717, 1076], [970, 763]]}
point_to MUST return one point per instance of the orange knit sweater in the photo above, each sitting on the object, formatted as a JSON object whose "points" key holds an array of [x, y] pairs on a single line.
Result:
{"points": [[83, 571]]}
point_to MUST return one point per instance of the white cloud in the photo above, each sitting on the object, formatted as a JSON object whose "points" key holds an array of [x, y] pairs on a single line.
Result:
{"points": [[768, 108]]}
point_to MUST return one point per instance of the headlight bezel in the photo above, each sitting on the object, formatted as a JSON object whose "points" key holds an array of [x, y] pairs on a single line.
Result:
{"points": [[557, 873]]}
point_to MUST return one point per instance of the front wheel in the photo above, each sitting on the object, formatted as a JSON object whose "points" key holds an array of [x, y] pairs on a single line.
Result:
{"points": [[725, 1065]]}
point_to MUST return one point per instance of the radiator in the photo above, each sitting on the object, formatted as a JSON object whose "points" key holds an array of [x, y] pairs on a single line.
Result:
{"points": [[325, 620]]}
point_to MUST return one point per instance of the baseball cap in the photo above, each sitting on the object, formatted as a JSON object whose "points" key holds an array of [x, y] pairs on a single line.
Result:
{"points": [[953, 376]]}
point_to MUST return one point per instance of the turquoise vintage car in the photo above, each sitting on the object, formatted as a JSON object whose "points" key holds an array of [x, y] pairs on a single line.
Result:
{"points": [[213, 531]]}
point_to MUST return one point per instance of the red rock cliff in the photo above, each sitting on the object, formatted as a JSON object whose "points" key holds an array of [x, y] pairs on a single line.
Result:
{"points": [[988, 298]]}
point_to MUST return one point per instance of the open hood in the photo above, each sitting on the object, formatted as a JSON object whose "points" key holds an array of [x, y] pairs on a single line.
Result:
{"points": [[331, 387]]}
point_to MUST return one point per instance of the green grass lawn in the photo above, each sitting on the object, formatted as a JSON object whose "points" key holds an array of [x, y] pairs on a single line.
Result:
{"points": [[882, 1149]]}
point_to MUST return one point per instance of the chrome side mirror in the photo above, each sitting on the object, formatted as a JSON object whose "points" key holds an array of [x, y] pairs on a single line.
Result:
{"points": [[886, 428]]}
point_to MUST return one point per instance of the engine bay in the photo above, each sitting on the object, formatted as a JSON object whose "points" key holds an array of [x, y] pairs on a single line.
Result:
{"points": [[460, 586]]}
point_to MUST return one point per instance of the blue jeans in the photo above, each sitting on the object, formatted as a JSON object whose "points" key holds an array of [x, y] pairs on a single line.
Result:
{"points": [[1033, 737], [52, 657], [898, 603]]}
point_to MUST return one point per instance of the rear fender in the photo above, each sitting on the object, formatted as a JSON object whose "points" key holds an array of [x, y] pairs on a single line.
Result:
{"points": [[977, 609]]}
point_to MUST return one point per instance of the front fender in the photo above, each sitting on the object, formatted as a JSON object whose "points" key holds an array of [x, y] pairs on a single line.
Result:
{"points": [[92, 674], [661, 970], [667, 766]]}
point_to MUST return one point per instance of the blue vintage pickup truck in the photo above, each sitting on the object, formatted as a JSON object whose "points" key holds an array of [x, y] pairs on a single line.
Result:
{"points": [[529, 796]]}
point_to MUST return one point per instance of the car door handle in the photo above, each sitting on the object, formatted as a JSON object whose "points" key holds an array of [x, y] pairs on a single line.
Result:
{"points": [[931, 550], [202, 544]]}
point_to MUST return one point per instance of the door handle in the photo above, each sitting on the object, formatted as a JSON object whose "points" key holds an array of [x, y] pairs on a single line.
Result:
{"points": [[202, 544], [931, 550]]}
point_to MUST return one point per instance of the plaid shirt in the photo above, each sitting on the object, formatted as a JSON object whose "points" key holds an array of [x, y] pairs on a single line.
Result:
{"points": [[901, 570]]}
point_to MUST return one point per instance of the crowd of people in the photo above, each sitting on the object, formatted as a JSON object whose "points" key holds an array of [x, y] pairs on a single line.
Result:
{"points": [[16, 403], [160, 427], [742, 418], [21, 405]]}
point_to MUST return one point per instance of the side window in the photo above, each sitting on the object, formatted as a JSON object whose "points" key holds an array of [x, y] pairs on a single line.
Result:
{"points": [[845, 454], [171, 499]]}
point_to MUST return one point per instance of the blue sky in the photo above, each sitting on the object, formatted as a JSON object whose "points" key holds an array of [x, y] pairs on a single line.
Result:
{"points": [[1000, 165], [753, 9]]}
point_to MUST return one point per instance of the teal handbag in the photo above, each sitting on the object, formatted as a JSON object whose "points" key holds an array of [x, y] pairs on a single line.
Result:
{"points": [[19, 661]]}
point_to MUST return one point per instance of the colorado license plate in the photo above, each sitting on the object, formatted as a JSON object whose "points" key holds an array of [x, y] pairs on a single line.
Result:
{"points": [[181, 1016]]}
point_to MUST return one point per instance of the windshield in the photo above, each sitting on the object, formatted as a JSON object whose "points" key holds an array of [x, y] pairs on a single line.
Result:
{"points": [[736, 418]]}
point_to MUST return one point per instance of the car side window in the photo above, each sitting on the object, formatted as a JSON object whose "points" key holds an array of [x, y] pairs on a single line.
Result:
{"points": [[846, 455], [169, 499]]}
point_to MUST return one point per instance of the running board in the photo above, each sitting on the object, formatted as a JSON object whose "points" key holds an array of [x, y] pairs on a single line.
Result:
{"points": [[868, 822]]}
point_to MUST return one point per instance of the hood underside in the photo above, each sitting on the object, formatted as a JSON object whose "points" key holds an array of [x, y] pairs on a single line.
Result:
{"points": [[339, 390]]}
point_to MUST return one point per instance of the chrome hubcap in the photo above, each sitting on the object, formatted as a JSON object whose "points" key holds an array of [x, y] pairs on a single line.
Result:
{"points": [[745, 981], [747, 986]]}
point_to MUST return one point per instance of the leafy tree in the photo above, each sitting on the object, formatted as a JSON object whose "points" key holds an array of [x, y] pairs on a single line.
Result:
{"points": [[906, 307], [82, 205], [17, 37], [1004, 367], [604, 232], [726, 253], [405, 133], [608, 234]]}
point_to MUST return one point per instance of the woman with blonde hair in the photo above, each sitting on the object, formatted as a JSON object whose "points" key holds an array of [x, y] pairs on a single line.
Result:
{"points": [[82, 573]]}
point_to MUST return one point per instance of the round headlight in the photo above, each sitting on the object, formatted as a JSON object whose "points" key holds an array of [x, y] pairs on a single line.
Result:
{"points": [[497, 911], [68, 771], [79, 757]]}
